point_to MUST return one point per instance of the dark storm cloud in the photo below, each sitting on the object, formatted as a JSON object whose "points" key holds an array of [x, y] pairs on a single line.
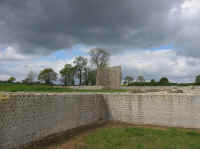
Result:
{"points": [[42, 26]]}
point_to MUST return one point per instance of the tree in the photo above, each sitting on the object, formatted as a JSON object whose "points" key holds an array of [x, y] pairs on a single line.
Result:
{"points": [[89, 76], [92, 77], [197, 80], [67, 74], [80, 65], [140, 79], [128, 79], [30, 77], [86, 76], [153, 81], [47, 75], [99, 57], [11, 79], [164, 80]]}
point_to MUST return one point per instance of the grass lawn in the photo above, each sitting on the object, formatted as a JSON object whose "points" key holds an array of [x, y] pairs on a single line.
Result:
{"points": [[10, 87], [141, 138], [130, 137]]}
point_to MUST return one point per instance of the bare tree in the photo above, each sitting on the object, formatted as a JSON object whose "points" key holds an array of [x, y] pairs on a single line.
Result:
{"points": [[99, 57]]}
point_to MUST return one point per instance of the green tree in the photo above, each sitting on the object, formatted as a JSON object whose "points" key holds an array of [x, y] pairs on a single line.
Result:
{"points": [[47, 75], [197, 79], [86, 75], [11, 79], [67, 74], [140, 79], [89, 76], [80, 65], [92, 77], [99, 57], [128, 80], [164, 80]]}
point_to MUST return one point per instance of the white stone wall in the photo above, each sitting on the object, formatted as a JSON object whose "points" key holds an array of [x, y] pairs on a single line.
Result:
{"points": [[166, 110], [25, 118]]}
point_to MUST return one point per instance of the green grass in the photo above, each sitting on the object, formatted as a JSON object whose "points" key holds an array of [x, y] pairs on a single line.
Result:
{"points": [[10, 87], [141, 138]]}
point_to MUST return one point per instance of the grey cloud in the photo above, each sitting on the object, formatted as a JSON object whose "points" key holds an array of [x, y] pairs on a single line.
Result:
{"points": [[187, 41], [157, 64], [42, 26]]}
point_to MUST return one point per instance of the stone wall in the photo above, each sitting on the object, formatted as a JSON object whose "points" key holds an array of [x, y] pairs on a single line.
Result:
{"points": [[175, 110], [84, 87], [161, 87], [109, 78], [184, 89], [25, 118], [188, 89]]}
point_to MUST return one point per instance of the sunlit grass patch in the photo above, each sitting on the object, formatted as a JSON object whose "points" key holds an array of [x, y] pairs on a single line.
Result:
{"points": [[141, 138]]}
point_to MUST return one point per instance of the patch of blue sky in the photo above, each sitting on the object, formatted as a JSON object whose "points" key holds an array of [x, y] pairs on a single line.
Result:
{"points": [[164, 47], [68, 54], [2, 49]]}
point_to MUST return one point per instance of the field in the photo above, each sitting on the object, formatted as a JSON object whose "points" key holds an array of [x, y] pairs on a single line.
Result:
{"points": [[17, 87], [124, 136], [11, 87]]}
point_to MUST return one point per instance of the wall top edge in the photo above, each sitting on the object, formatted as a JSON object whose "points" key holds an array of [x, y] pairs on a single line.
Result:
{"points": [[5, 94]]}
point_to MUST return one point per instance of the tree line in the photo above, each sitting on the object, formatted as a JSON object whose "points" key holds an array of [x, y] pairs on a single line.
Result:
{"points": [[79, 70], [164, 81]]}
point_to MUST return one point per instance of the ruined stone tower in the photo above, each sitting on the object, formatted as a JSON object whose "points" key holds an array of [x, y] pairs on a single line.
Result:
{"points": [[109, 77]]}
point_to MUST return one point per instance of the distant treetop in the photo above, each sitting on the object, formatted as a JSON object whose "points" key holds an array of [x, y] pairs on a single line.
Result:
{"points": [[99, 57], [47, 75], [11, 79], [164, 80], [140, 79]]}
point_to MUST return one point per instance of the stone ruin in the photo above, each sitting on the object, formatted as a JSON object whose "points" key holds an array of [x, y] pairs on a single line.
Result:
{"points": [[109, 77]]}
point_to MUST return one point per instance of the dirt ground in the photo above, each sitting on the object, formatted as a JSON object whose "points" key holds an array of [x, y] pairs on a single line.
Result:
{"points": [[66, 140]]}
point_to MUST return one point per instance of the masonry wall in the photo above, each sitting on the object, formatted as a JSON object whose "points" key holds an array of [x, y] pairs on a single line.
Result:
{"points": [[85, 87], [25, 118], [166, 110], [188, 88]]}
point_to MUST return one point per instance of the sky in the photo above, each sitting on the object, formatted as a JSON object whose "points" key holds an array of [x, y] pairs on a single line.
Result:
{"points": [[154, 38]]}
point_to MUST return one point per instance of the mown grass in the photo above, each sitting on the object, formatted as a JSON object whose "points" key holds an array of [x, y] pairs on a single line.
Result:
{"points": [[124, 136], [10, 87], [141, 138]]}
